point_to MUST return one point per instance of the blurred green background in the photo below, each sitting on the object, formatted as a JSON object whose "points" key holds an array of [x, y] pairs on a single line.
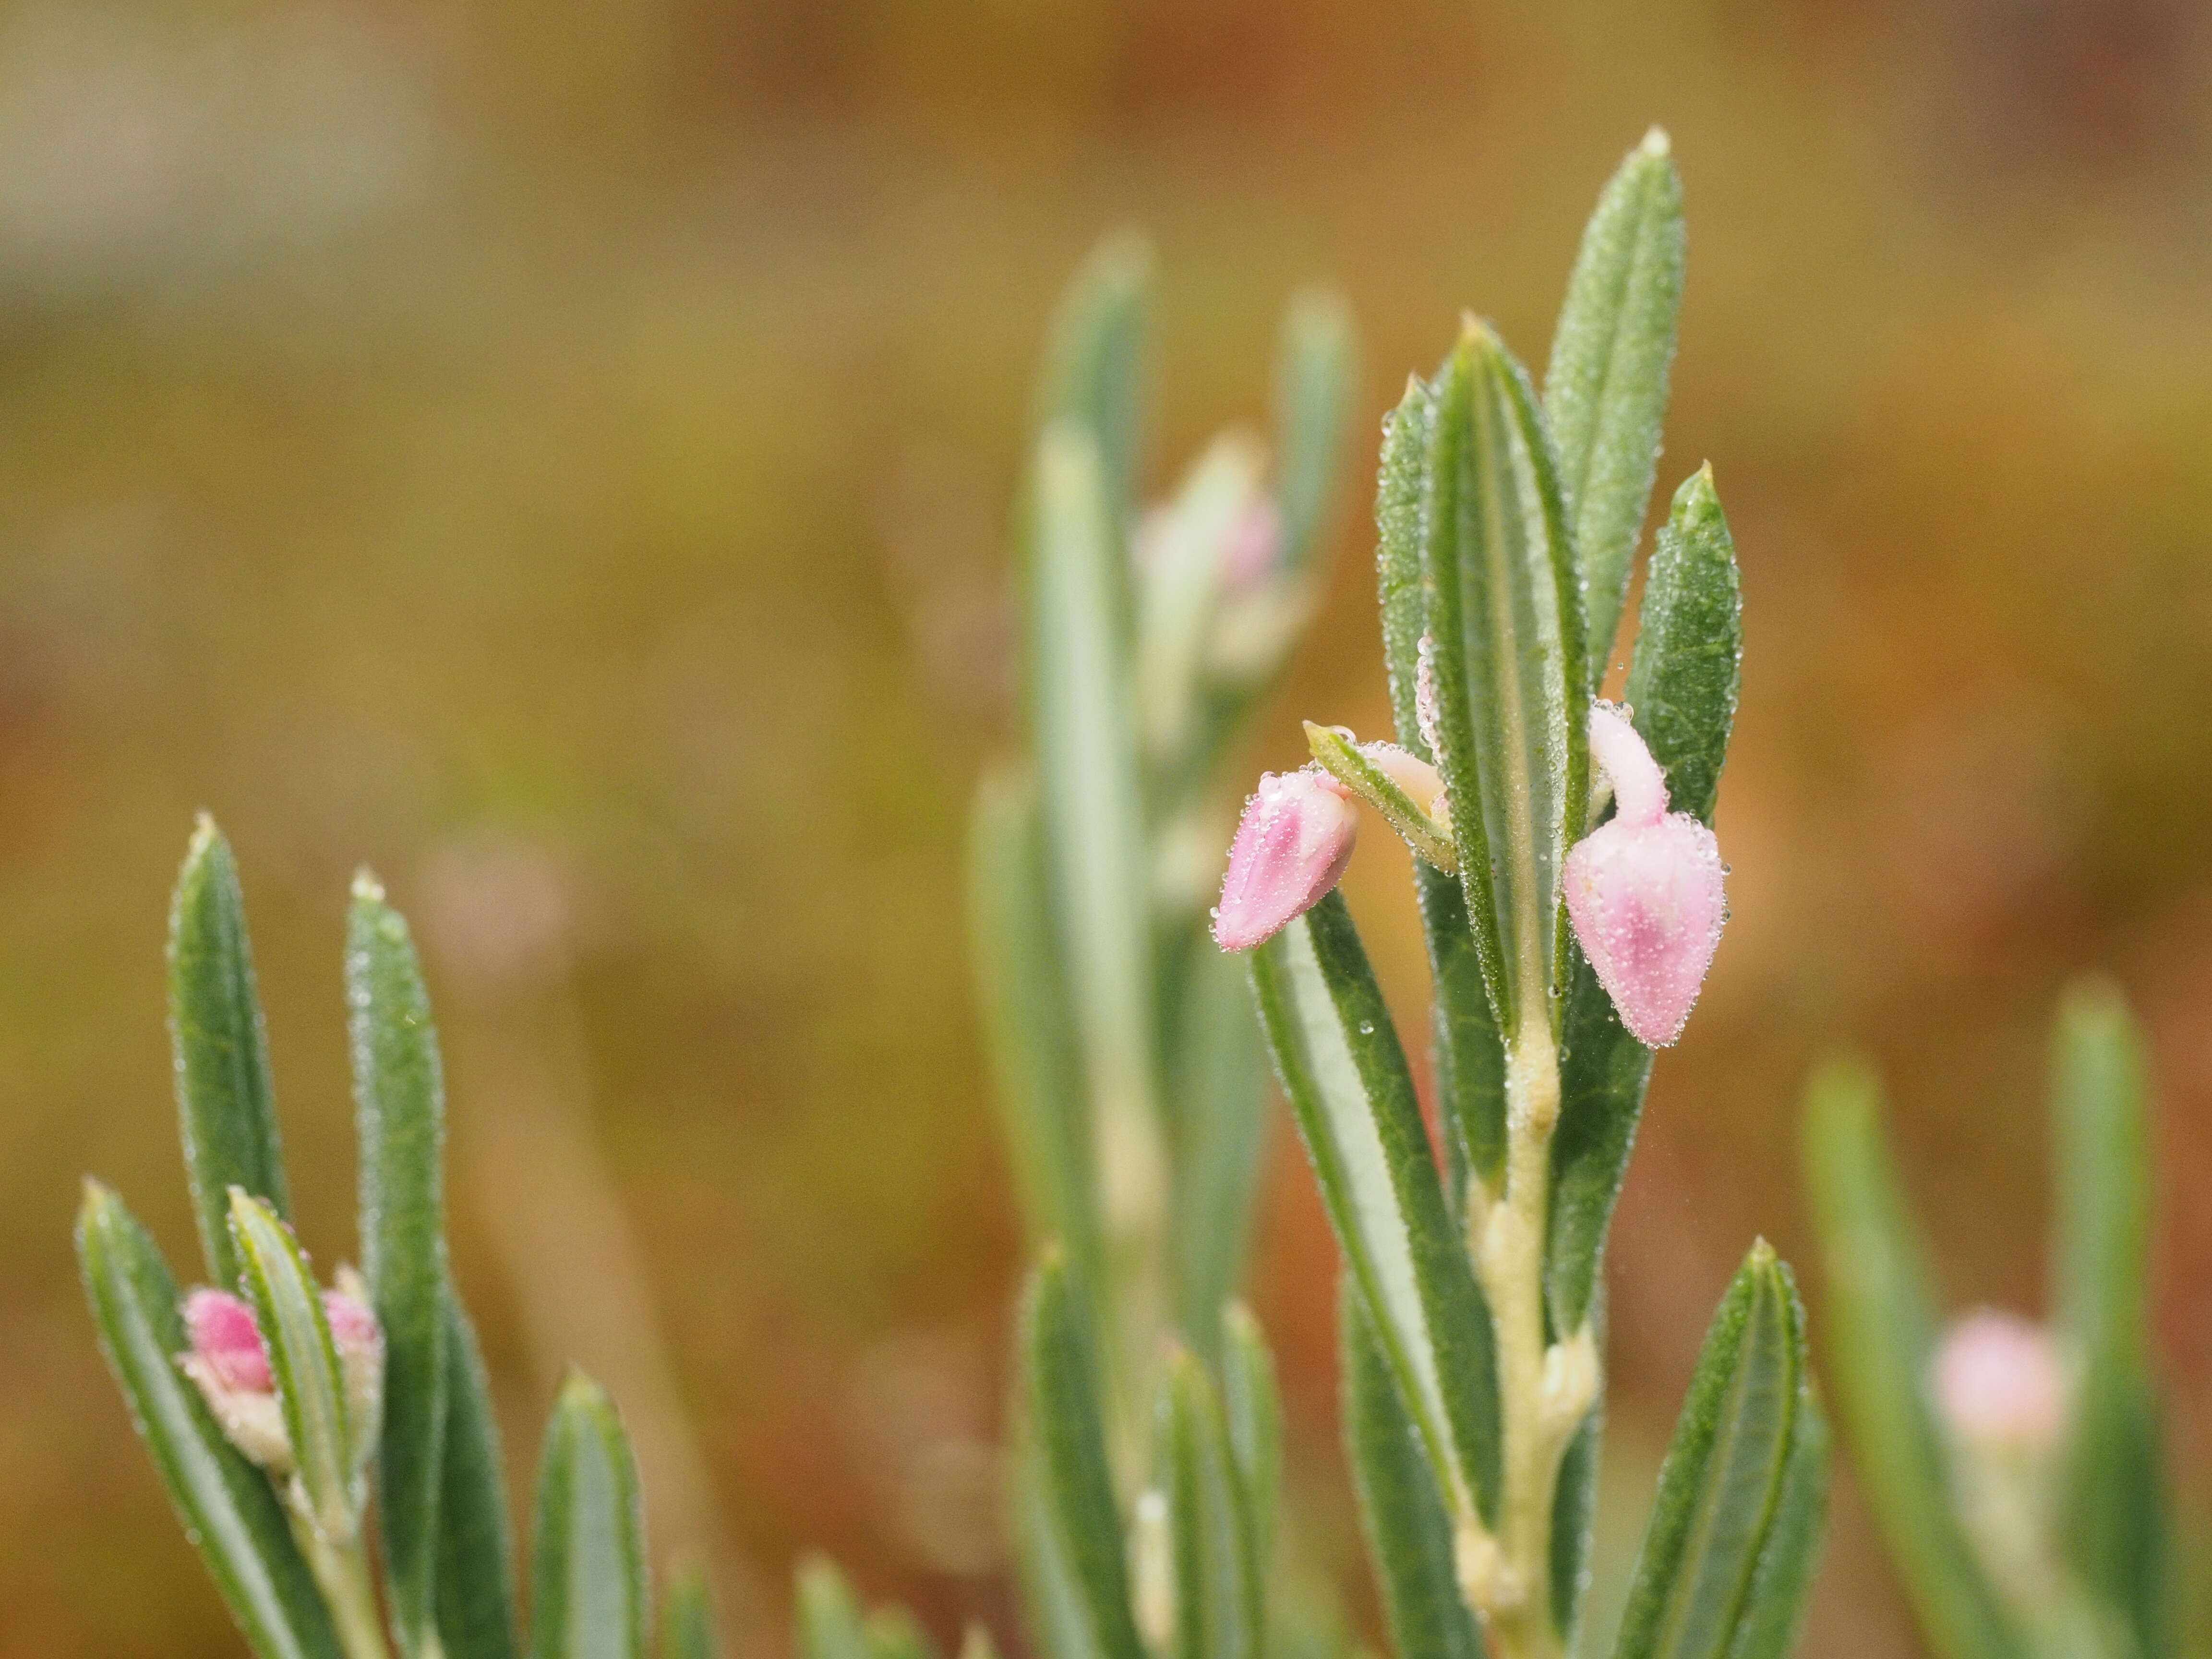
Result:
{"points": [[561, 453]]}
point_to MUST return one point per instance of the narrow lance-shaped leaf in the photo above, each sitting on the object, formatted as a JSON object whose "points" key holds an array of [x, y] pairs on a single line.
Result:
{"points": [[1470, 1058], [1505, 619], [1682, 683], [588, 1594], [304, 1359], [1254, 1412], [1606, 389], [228, 1507], [1314, 376], [830, 1625], [1730, 1548], [1075, 1544], [1341, 1066], [1094, 374], [1093, 799], [687, 1619], [475, 1570], [1880, 1317], [1219, 1071], [226, 1106], [2116, 1513], [1219, 1610], [1027, 1020], [1188, 547], [1409, 1535], [894, 1633], [399, 1121]]}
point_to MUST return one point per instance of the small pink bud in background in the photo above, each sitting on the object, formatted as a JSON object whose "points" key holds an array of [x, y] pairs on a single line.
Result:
{"points": [[1291, 848], [2000, 1383], [1644, 890], [230, 1368], [360, 1342], [1255, 544]]}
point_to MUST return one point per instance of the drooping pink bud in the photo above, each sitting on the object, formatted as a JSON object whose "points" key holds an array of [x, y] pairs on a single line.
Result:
{"points": [[1291, 848], [1645, 890], [228, 1364], [1999, 1382]]}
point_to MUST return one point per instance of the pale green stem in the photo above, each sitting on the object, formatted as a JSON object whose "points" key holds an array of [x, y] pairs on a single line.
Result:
{"points": [[342, 1571], [1545, 1389]]}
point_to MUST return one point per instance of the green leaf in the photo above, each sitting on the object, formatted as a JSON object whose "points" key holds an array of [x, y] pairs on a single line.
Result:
{"points": [[1316, 371], [1880, 1319], [2116, 1510], [1338, 1056], [226, 1106], [476, 1570], [1186, 574], [1076, 1533], [893, 1633], [1027, 1020], [1504, 616], [687, 1619], [1688, 666], [1218, 1071], [310, 1382], [1728, 1551], [1606, 389], [1094, 371], [227, 1507], [1470, 1058], [399, 1121], [1254, 1411], [831, 1625], [1221, 1611], [1094, 813], [1400, 533], [1409, 1534], [588, 1594], [1682, 683], [1344, 760]]}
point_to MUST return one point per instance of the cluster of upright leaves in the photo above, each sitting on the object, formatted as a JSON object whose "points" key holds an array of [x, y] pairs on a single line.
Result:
{"points": [[294, 1580], [2106, 1589], [1507, 526], [1130, 1068]]}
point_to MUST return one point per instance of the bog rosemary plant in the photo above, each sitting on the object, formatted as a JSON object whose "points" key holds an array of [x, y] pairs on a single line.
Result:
{"points": [[2015, 1469], [276, 1412], [1570, 910]]}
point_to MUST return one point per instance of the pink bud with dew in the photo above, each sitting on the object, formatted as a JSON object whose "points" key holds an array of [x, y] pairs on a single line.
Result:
{"points": [[225, 1339], [230, 1367], [1999, 1382], [1291, 848], [1644, 890]]}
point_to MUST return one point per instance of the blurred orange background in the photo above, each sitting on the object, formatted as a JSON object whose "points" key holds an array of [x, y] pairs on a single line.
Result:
{"points": [[560, 455]]}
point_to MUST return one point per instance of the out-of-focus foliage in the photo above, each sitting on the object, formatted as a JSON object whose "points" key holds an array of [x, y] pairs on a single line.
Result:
{"points": [[589, 427]]}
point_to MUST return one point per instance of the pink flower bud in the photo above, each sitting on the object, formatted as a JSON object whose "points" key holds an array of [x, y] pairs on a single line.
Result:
{"points": [[223, 1335], [1255, 544], [1999, 1382], [360, 1342], [230, 1367], [1644, 890], [1291, 846]]}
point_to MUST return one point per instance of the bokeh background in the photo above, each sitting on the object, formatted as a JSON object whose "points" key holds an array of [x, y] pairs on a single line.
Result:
{"points": [[560, 455]]}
